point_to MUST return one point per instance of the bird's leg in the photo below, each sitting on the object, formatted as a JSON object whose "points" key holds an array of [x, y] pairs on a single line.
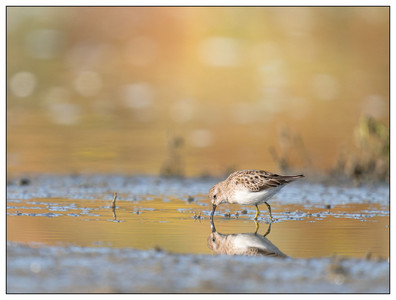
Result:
{"points": [[257, 226], [268, 230], [269, 208], [257, 212]]}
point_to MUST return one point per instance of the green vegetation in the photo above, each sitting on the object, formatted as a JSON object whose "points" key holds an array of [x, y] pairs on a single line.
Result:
{"points": [[369, 161]]}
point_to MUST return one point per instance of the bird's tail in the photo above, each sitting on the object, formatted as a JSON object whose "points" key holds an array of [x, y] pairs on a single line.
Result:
{"points": [[289, 178]]}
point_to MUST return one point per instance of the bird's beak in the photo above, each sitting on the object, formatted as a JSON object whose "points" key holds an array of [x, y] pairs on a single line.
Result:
{"points": [[212, 226], [213, 211]]}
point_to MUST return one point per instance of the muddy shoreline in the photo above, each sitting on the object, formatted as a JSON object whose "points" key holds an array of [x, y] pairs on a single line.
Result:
{"points": [[38, 268], [103, 186], [107, 270]]}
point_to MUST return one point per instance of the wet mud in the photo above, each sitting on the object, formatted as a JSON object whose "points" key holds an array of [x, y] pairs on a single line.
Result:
{"points": [[64, 236]]}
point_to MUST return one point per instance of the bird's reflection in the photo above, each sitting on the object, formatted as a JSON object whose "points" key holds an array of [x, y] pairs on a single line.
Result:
{"points": [[251, 244]]}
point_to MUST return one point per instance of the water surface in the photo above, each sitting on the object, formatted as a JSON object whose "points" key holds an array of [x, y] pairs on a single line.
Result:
{"points": [[183, 226]]}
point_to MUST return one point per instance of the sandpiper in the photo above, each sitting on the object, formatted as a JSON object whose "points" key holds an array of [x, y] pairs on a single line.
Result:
{"points": [[249, 187], [252, 244]]}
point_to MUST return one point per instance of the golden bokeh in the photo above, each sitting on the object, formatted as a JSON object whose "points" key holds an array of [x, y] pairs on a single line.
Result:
{"points": [[191, 90]]}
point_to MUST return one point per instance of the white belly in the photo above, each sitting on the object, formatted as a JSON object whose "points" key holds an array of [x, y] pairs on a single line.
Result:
{"points": [[243, 241], [244, 197]]}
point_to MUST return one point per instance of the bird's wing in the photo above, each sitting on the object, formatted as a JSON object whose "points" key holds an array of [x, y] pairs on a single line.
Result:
{"points": [[258, 180]]}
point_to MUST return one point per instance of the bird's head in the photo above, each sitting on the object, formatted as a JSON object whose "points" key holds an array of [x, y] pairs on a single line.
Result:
{"points": [[216, 195]]}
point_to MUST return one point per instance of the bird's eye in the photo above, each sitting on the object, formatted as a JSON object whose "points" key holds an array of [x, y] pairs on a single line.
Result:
{"points": [[214, 196], [213, 240]]}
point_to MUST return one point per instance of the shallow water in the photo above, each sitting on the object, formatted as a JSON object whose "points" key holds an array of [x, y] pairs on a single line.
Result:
{"points": [[63, 236], [183, 226]]}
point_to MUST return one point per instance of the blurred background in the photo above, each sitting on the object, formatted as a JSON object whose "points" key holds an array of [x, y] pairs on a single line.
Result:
{"points": [[196, 91]]}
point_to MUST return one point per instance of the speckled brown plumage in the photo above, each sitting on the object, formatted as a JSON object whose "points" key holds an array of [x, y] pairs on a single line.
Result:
{"points": [[249, 244], [258, 180], [249, 187]]}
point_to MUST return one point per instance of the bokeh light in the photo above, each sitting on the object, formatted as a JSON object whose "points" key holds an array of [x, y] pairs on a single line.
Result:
{"points": [[101, 89]]}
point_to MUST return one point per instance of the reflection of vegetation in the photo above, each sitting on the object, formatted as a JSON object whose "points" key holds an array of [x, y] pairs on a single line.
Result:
{"points": [[173, 165], [113, 203], [290, 144], [371, 160]]}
